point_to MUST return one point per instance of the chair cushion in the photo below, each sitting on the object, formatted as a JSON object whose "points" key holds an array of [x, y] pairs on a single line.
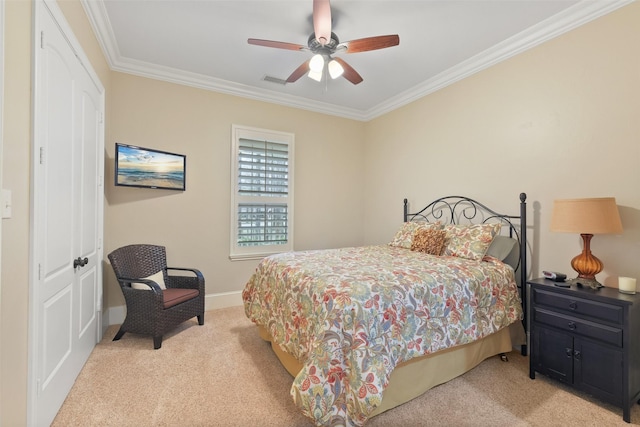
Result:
{"points": [[157, 277], [174, 296]]}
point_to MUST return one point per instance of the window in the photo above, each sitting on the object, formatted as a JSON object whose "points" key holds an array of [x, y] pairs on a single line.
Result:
{"points": [[262, 192]]}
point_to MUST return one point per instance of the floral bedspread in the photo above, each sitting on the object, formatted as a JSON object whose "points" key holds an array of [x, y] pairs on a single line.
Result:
{"points": [[351, 315]]}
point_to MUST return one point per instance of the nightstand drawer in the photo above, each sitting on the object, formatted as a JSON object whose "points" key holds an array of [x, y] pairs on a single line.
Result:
{"points": [[579, 326], [592, 309]]}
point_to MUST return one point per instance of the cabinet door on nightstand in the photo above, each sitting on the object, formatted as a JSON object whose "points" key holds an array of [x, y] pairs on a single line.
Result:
{"points": [[598, 370], [553, 354]]}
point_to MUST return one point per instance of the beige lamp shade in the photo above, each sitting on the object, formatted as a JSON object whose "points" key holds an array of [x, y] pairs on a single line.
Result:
{"points": [[586, 216]]}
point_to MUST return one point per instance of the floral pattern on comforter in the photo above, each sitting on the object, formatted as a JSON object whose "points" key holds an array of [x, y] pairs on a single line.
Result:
{"points": [[351, 315]]}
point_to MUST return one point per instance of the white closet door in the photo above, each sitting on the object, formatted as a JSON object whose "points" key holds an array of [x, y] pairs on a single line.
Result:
{"points": [[67, 219]]}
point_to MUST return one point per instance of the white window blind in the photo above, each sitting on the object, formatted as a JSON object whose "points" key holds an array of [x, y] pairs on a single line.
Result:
{"points": [[262, 180]]}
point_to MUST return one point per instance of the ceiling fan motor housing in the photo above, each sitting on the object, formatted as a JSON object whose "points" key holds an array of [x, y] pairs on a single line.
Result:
{"points": [[328, 48]]}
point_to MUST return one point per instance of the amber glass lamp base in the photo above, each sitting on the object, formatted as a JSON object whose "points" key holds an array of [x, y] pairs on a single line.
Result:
{"points": [[587, 265]]}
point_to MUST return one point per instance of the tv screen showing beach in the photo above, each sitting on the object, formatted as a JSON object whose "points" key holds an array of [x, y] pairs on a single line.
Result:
{"points": [[149, 168]]}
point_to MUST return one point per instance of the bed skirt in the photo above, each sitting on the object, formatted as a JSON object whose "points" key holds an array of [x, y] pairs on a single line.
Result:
{"points": [[433, 369]]}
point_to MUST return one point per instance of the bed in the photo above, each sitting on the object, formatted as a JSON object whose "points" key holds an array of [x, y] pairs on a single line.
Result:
{"points": [[365, 329]]}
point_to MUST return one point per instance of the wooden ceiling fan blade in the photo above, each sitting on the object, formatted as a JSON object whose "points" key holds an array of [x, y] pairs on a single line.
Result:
{"points": [[322, 21], [349, 73], [277, 45], [371, 43], [299, 72]]}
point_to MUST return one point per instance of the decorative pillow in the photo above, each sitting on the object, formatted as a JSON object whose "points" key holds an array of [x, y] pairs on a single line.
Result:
{"points": [[469, 241], [157, 277], [428, 240], [404, 236]]}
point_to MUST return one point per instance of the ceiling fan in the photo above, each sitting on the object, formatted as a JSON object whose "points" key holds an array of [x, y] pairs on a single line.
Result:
{"points": [[324, 44]]}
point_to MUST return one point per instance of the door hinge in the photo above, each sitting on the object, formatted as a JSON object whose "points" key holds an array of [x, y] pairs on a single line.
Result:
{"points": [[101, 117], [39, 271], [41, 39], [42, 155]]}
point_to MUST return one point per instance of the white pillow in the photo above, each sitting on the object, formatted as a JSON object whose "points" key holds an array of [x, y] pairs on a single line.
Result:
{"points": [[501, 247], [158, 278]]}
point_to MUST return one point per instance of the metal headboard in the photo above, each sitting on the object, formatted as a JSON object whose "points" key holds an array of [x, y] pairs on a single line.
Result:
{"points": [[461, 210]]}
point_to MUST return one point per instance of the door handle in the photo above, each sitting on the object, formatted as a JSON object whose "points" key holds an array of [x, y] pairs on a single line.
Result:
{"points": [[79, 262]]}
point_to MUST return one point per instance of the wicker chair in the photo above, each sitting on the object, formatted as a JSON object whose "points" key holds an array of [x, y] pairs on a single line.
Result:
{"points": [[155, 311]]}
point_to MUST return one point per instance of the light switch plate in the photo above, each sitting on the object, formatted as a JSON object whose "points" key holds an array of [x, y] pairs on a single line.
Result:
{"points": [[6, 203]]}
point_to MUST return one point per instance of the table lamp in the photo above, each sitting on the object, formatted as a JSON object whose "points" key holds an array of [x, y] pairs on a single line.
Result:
{"points": [[586, 217]]}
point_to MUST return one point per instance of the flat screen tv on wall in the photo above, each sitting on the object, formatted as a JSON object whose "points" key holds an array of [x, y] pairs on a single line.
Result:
{"points": [[149, 168]]}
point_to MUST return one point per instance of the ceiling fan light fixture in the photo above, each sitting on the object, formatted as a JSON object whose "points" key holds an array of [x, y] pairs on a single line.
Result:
{"points": [[335, 69], [315, 75], [316, 63], [323, 44]]}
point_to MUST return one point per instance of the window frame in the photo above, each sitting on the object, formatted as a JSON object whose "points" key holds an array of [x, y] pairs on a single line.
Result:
{"points": [[239, 132]]}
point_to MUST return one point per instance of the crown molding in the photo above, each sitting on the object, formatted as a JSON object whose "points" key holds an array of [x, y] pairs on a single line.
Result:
{"points": [[99, 20], [172, 75], [579, 14], [571, 18]]}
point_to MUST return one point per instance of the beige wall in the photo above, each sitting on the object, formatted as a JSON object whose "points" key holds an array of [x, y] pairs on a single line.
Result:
{"points": [[195, 225], [15, 231], [559, 121]]}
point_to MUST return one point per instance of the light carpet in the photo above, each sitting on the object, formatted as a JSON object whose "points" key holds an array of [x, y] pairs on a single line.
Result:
{"points": [[223, 374]]}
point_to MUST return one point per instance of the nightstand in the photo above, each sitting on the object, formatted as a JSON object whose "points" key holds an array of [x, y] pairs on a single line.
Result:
{"points": [[588, 339]]}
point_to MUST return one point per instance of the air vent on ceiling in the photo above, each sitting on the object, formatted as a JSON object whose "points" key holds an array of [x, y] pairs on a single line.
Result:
{"points": [[274, 80]]}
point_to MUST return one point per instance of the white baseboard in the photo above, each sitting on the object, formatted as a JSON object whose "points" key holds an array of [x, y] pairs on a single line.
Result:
{"points": [[115, 315], [223, 300]]}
